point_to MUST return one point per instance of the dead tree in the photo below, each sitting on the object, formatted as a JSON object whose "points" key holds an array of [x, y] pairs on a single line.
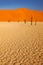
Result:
{"points": [[35, 22], [31, 20], [18, 21], [8, 20], [25, 21]]}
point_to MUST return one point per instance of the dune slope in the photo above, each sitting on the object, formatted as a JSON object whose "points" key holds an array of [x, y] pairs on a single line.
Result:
{"points": [[22, 14]]}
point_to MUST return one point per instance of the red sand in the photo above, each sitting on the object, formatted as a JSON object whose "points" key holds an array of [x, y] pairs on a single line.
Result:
{"points": [[21, 14]]}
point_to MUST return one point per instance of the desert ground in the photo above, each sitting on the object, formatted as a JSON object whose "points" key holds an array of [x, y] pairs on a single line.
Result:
{"points": [[21, 44]]}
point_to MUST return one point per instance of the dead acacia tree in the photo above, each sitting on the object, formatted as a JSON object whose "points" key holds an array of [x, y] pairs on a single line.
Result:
{"points": [[31, 20], [25, 21], [35, 22], [8, 20]]}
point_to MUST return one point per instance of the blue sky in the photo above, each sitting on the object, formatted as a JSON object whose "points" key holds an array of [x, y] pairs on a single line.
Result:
{"points": [[14, 4]]}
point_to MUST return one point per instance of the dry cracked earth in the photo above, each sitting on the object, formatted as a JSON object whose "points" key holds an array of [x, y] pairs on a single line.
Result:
{"points": [[21, 44]]}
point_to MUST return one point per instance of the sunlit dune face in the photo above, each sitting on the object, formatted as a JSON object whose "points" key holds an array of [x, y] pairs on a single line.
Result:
{"points": [[21, 44], [21, 15]]}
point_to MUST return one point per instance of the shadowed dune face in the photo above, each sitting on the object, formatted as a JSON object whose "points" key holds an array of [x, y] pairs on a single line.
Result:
{"points": [[21, 15], [21, 44]]}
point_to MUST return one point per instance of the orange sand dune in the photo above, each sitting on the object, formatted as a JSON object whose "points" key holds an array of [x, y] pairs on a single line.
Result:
{"points": [[22, 14]]}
